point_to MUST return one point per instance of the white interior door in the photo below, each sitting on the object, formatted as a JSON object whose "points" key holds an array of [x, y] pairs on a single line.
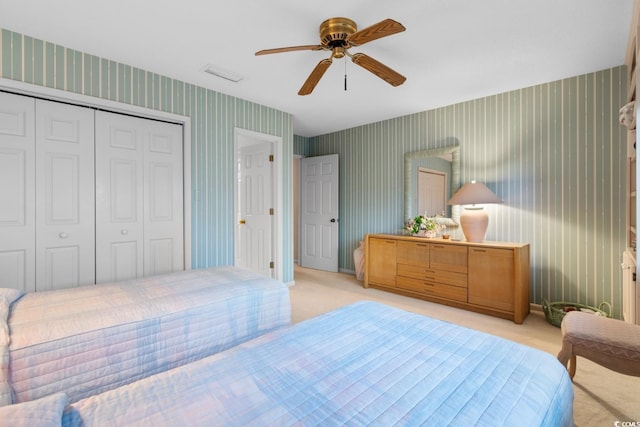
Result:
{"points": [[17, 192], [432, 192], [65, 238], [319, 212], [139, 197], [255, 207]]}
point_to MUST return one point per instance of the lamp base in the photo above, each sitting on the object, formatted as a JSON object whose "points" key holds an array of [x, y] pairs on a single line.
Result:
{"points": [[474, 223]]}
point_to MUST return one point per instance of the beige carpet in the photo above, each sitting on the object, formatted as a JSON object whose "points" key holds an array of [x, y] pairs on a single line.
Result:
{"points": [[602, 397]]}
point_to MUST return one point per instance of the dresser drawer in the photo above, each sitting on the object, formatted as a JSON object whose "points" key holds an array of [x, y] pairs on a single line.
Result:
{"points": [[440, 290], [415, 271], [431, 275], [450, 278], [430, 288]]}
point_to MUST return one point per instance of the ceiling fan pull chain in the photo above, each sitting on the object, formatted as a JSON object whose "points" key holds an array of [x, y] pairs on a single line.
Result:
{"points": [[345, 73]]}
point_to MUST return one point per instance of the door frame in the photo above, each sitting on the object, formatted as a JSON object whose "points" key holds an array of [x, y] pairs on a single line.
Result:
{"points": [[296, 207], [277, 193], [51, 94]]}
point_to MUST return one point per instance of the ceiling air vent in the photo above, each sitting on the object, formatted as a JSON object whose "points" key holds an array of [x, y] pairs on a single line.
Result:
{"points": [[222, 73]]}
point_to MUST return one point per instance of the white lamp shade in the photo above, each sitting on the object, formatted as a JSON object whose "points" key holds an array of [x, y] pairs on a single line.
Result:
{"points": [[473, 193], [474, 220]]}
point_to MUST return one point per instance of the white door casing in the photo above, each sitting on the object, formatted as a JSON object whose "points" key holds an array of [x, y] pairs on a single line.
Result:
{"points": [[258, 185], [17, 192], [65, 219], [139, 193], [319, 212], [296, 208]]}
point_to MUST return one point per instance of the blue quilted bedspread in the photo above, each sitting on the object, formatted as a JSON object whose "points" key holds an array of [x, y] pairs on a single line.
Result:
{"points": [[83, 341], [364, 364]]}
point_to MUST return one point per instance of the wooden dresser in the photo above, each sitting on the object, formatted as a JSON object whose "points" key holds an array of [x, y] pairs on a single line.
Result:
{"points": [[489, 277]]}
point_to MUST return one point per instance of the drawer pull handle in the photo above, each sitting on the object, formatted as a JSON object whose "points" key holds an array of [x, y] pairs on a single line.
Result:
{"points": [[479, 250], [421, 245]]}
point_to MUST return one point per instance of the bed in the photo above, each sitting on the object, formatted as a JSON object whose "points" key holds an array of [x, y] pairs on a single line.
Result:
{"points": [[363, 364], [83, 341]]}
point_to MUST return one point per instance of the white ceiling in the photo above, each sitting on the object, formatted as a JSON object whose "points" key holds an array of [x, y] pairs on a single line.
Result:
{"points": [[452, 50]]}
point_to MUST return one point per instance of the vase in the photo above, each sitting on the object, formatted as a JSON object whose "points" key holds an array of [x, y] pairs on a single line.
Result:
{"points": [[358, 260]]}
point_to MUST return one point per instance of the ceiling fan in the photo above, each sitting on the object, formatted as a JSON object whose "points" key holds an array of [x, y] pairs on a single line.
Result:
{"points": [[338, 35]]}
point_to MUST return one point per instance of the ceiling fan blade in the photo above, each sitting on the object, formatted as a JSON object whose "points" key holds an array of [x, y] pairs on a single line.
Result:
{"points": [[379, 69], [290, 49], [383, 28], [315, 77]]}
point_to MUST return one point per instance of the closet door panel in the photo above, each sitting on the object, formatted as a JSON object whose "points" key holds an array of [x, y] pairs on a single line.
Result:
{"points": [[62, 265], [126, 260], [160, 256], [65, 209], [119, 197], [17, 182], [164, 223]]}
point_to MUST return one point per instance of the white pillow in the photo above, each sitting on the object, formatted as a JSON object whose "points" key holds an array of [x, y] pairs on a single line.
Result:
{"points": [[43, 412]]}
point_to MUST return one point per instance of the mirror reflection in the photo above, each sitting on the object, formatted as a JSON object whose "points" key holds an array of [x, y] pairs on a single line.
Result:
{"points": [[431, 177]]}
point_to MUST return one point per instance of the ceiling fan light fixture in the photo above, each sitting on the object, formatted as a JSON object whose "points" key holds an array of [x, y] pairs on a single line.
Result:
{"points": [[222, 73]]}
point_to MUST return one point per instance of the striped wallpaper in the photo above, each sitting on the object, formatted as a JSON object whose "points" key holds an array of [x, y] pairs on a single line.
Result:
{"points": [[213, 118], [554, 153]]}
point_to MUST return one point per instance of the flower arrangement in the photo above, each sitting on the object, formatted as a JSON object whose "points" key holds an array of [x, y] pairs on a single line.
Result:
{"points": [[423, 225]]}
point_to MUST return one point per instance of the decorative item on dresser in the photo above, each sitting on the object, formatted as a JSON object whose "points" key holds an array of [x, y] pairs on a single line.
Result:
{"points": [[423, 226], [490, 277]]}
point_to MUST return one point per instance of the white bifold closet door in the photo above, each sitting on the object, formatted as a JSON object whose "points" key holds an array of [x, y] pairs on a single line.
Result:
{"points": [[65, 237], [139, 197], [17, 192], [46, 178]]}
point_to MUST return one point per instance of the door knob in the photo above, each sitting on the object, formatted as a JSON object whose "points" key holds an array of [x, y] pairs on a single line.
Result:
{"points": [[124, 232], [334, 220], [63, 235], [242, 221]]}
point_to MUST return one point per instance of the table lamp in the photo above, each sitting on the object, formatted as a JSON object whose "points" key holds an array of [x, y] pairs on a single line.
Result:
{"points": [[474, 219]]}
